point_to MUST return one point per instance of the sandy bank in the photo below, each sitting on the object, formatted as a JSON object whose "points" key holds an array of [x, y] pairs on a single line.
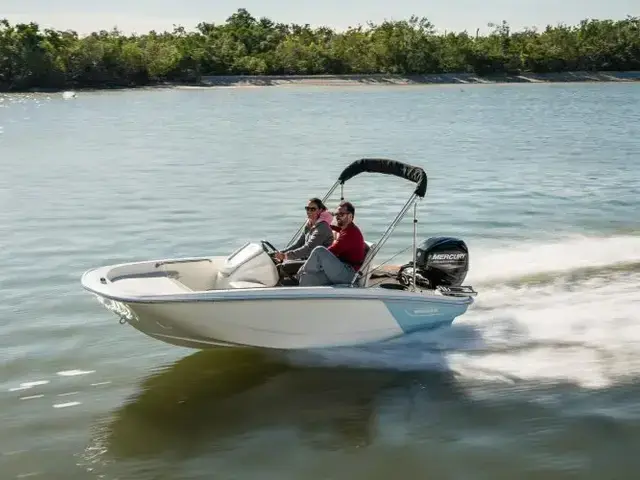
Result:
{"points": [[445, 78], [362, 80]]}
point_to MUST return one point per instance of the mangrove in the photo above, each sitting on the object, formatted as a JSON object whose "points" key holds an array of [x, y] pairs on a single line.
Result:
{"points": [[35, 58]]}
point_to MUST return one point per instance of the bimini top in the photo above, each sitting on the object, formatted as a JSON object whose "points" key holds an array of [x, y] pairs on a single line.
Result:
{"points": [[388, 167]]}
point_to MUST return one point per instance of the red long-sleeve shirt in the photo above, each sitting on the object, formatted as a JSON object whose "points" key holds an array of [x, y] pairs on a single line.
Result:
{"points": [[349, 246]]}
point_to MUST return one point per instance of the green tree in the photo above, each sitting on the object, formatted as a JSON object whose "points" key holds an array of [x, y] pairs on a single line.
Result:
{"points": [[243, 44]]}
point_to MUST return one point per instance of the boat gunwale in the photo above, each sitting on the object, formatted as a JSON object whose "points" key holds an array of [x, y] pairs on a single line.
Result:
{"points": [[330, 292]]}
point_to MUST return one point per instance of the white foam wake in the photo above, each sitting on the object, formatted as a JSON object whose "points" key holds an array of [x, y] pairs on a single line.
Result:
{"points": [[563, 255], [584, 330]]}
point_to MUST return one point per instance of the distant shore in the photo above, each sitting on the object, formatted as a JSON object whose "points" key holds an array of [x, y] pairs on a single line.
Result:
{"points": [[207, 81], [247, 51], [441, 78]]}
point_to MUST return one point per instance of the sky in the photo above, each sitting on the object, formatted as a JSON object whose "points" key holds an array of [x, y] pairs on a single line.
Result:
{"points": [[141, 16]]}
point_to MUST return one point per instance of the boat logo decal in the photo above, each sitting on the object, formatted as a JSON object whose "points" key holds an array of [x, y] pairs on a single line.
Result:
{"points": [[447, 256], [422, 312]]}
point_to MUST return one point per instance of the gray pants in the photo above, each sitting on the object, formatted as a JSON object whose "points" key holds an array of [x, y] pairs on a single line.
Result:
{"points": [[324, 268]]}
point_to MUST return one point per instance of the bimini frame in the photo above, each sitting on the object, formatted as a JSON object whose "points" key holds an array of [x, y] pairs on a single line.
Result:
{"points": [[387, 167]]}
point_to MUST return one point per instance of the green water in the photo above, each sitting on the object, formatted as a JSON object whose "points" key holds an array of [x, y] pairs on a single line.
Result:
{"points": [[539, 378]]}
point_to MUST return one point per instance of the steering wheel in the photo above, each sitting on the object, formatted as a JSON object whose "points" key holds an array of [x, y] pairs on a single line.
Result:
{"points": [[269, 250]]}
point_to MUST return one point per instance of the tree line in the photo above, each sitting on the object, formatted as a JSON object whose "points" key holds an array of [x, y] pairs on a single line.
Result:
{"points": [[31, 57]]}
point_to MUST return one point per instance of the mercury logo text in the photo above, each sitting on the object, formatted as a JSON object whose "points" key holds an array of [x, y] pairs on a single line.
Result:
{"points": [[447, 256]]}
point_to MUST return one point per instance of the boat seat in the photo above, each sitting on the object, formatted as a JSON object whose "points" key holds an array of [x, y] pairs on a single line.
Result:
{"points": [[245, 284], [366, 275]]}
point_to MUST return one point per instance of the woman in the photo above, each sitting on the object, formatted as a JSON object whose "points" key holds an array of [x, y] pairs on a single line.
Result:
{"points": [[317, 231]]}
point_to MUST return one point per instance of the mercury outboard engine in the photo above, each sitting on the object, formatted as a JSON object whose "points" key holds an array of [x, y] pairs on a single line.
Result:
{"points": [[440, 262]]}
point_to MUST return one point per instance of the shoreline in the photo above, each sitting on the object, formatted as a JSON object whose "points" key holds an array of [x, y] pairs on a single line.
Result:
{"points": [[212, 81], [403, 80]]}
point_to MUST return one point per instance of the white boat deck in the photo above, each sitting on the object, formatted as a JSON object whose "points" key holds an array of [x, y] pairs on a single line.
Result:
{"points": [[151, 286]]}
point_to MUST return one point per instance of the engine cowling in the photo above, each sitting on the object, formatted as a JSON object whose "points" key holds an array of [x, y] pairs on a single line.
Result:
{"points": [[442, 261]]}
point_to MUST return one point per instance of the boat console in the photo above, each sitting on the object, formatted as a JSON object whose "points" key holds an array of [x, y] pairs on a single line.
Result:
{"points": [[250, 266]]}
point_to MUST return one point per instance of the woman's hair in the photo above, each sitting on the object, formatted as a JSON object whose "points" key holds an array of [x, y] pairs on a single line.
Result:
{"points": [[318, 203]]}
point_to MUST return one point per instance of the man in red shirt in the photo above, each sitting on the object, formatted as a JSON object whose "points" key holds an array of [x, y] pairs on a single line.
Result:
{"points": [[341, 260]]}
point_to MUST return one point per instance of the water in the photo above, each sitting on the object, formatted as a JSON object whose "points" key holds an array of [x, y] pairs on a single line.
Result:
{"points": [[539, 378]]}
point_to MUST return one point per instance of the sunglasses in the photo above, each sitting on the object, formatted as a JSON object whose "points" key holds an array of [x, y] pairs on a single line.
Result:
{"points": [[310, 209]]}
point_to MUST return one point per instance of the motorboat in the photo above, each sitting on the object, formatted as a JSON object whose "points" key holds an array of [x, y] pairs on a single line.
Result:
{"points": [[243, 300]]}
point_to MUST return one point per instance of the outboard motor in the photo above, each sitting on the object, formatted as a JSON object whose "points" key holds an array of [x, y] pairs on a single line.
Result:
{"points": [[440, 262]]}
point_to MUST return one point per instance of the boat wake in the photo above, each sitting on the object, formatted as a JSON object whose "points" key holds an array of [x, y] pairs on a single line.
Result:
{"points": [[563, 311]]}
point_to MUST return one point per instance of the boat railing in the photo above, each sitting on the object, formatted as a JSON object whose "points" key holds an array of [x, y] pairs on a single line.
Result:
{"points": [[184, 260]]}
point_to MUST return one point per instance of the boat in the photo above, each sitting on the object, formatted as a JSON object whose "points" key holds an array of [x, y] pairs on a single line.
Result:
{"points": [[242, 299]]}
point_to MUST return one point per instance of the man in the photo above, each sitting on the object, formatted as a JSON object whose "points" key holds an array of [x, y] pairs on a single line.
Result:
{"points": [[341, 260]]}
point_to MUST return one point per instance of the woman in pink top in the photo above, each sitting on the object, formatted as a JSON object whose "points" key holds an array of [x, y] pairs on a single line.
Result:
{"points": [[317, 232]]}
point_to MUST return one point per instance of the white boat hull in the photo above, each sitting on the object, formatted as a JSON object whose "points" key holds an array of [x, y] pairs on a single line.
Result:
{"points": [[287, 324], [266, 317]]}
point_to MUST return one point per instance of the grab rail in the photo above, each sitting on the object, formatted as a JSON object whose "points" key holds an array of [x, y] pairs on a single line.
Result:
{"points": [[188, 260]]}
